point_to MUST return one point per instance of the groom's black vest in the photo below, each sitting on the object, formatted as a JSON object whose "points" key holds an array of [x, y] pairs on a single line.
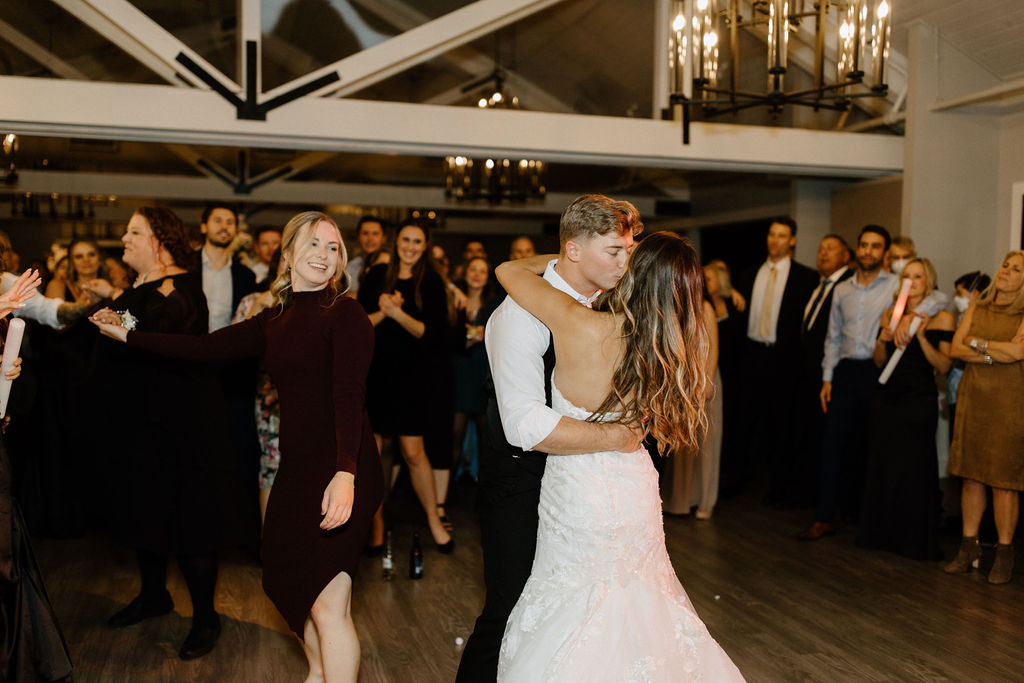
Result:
{"points": [[532, 461]]}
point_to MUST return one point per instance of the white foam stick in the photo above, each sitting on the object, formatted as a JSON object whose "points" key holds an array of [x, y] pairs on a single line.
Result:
{"points": [[894, 360], [12, 347], [901, 304]]}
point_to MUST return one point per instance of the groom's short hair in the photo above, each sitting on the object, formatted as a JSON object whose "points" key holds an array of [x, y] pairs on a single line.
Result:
{"points": [[591, 215]]}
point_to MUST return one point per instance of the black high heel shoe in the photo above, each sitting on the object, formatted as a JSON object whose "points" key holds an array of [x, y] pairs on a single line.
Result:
{"points": [[445, 521]]}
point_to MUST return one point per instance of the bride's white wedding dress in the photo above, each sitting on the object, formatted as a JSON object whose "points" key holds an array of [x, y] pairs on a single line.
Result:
{"points": [[602, 602]]}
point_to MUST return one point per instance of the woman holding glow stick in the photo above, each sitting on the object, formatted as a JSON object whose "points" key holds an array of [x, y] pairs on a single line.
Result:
{"points": [[901, 484], [32, 647]]}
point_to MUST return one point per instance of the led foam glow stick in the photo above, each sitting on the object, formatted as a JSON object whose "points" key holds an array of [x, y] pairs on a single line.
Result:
{"points": [[12, 346], [894, 360], [901, 304]]}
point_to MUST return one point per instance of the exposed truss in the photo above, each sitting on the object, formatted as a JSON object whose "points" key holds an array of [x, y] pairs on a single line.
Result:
{"points": [[152, 113]]}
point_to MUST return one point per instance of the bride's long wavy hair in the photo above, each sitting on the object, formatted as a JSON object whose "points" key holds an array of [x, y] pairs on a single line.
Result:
{"points": [[662, 376]]}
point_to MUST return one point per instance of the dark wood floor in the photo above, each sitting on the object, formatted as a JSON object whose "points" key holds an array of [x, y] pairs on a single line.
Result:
{"points": [[783, 610]]}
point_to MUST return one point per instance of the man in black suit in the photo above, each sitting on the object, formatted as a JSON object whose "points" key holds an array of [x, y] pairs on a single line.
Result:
{"points": [[833, 267], [778, 292]]}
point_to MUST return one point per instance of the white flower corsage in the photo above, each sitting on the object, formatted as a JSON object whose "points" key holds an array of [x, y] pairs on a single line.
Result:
{"points": [[129, 321]]}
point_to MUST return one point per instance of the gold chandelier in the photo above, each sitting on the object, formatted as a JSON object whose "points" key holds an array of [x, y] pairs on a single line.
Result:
{"points": [[695, 43], [495, 180]]}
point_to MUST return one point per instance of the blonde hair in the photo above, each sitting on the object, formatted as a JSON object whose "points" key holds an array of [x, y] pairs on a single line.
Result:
{"points": [[988, 297], [661, 378], [296, 236], [931, 278], [722, 274]]}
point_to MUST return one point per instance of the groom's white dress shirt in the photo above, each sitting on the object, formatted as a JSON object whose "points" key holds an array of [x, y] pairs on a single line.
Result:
{"points": [[516, 342]]}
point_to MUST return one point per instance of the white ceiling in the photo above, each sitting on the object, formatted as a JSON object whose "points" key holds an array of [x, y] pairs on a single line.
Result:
{"points": [[989, 31]]}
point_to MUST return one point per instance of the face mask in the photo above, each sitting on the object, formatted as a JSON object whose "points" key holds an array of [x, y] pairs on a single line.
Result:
{"points": [[961, 303], [898, 265]]}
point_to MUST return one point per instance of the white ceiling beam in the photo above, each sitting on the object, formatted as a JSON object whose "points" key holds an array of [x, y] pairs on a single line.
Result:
{"points": [[192, 157], [405, 18], [123, 24], [296, 193], [294, 167], [1003, 91], [39, 53], [249, 30], [154, 113], [420, 44]]}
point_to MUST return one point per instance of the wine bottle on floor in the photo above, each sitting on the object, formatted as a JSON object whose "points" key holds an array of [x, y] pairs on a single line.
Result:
{"points": [[416, 558], [388, 561]]}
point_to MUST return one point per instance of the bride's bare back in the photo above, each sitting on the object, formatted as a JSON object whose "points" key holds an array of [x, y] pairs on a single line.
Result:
{"points": [[588, 349]]}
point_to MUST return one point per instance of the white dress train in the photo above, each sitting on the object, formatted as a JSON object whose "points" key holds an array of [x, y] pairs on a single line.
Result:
{"points": [[602, 602]]}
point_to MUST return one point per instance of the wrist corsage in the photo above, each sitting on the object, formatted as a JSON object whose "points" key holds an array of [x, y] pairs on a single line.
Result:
{"points": [[129, 321]]}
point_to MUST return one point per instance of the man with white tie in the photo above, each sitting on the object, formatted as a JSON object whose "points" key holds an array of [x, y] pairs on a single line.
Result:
{"points": [[778, 292]]}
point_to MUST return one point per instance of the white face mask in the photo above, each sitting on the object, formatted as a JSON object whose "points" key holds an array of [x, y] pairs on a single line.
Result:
{"points": [[961, 303], [898, 265]]}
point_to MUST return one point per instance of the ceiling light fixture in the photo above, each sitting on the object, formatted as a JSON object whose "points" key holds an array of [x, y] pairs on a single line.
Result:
{"points": [[696, 43]]}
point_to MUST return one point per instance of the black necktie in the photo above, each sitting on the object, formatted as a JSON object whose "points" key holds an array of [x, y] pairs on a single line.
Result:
{"points": [[815, 304]]}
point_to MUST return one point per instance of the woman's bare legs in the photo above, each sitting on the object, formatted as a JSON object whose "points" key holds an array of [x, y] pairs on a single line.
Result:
{"points": [[264, 497], [422, 477], [333, 634], [311, 646], [972, 506], [1005, 508]]}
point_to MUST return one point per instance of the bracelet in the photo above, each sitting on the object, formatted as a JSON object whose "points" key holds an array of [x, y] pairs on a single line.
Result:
{"points": [[988, 359], [973, 344], [983, 348]]}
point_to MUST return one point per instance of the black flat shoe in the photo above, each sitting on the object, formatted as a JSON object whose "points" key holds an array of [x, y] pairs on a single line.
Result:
{"points": [[446, 548], [373, 550], [201, 638], [140, 609]]}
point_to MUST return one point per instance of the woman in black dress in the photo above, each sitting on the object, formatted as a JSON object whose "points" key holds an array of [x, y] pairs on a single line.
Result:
{"points": [[32, 647], [471, 370], [901, 485], [173, 488], [316, 346], [407, 305]]}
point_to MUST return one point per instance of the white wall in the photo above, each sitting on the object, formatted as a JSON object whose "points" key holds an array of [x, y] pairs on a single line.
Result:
{"points": [[1011, 174], [951, 162], [877, 202]]}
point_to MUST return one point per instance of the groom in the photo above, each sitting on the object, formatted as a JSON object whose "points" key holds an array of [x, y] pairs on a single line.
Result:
{"points": [[595, 237]]}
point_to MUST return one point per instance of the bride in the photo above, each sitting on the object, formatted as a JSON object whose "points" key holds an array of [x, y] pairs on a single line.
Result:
{"points": [[602, 601]]}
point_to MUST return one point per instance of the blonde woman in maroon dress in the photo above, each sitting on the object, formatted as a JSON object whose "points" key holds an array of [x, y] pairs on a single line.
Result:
{"points": [[316, 346]]}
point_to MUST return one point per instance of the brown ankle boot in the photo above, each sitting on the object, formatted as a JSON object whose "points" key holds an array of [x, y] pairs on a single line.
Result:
{"points": [[1002, 568], [967, 558]]}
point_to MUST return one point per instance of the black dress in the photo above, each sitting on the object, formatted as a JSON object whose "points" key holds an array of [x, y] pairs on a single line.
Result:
{"points": [[32, 647], [471, 369], [901, 488], [175, 488], [317, 352], [403, 393]]}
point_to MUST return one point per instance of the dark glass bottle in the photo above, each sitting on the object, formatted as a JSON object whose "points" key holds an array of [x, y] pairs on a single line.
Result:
{"points": [[416, 558], [388, 561]]}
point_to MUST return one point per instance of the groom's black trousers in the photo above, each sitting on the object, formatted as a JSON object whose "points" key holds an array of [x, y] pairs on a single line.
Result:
{"points": [[510, 493]]}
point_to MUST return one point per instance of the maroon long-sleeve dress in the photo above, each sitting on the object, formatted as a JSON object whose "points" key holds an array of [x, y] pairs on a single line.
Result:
{"points": [[317, 353]]}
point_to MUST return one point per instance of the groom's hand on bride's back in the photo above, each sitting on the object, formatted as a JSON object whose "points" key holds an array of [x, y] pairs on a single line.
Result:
{"points": [[627, 438]]}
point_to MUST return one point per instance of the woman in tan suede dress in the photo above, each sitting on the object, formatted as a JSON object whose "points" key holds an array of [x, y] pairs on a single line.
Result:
{"points": [[988, 442]]}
